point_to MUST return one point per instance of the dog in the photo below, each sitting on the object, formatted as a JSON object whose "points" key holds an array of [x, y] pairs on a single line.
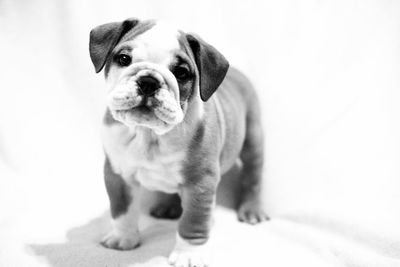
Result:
{"points": [[177, 118]]}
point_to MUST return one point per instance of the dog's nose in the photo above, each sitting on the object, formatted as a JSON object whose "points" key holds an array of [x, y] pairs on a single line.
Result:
{"points": [[148, 85]]}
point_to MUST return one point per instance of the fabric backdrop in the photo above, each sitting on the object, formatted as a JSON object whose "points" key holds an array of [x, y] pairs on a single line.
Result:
{"points": [[328, 77]]}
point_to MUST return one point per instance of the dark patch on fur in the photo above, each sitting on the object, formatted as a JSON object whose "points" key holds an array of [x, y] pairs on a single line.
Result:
{"points": [[140, 27], [187, 89], [198, 136], [168, 206], [118, 191], [211, 64], [197, 166], [154, 143], [104, 38], [198, 192], [197, 203]]}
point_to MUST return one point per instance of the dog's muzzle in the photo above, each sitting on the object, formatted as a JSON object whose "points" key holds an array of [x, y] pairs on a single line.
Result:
{"points": [[146, 94]]}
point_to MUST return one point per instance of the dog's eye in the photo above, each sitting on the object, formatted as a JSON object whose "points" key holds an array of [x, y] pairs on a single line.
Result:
{"points": [[181, 73], [124, 60]]}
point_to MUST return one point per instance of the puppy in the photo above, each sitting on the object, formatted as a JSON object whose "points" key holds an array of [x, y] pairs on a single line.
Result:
{"points": [[178, 117]]}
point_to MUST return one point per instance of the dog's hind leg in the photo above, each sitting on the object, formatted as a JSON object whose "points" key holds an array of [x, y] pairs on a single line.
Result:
{"points": [[167, 206], [250, 208]]}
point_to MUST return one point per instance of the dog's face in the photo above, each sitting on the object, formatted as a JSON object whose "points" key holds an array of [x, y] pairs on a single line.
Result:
{"points": [[154, 72]]}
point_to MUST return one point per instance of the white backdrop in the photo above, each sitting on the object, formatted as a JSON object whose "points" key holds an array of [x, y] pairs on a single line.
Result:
{"points": [[328, 76]]}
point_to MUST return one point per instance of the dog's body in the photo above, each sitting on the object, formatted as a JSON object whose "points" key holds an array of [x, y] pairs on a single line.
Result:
{"points": [[174, 134]]}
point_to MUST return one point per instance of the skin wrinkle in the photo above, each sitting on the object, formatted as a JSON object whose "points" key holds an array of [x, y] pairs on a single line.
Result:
{"points": [[167, 97]]}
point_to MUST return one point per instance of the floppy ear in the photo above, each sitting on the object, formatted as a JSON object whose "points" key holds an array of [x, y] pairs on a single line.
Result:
{"points": [[104, 38], [212, 65]]}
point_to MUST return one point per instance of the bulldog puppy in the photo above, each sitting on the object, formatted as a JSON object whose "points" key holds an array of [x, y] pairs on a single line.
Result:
{"points": [[177, 119]]}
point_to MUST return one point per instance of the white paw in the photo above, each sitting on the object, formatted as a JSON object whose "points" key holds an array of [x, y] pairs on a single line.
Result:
{"points": [[188, 255], [187, 259], [120, 241]]}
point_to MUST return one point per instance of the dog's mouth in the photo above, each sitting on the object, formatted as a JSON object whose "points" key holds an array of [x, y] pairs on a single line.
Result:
{"points": [[157, 107], [141, 112], [142, 109], [159, 111], [133, 104], [135, 114]]}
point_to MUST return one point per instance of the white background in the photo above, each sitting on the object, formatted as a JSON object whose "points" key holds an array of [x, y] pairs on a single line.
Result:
{"points": [[328, 77]]}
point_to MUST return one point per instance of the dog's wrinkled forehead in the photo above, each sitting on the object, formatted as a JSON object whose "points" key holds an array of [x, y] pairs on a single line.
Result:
{"points": [[153, 41]]}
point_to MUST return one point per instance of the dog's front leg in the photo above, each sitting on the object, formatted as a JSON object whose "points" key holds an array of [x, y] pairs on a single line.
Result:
{"points": [[125, 209], [198, 201]]}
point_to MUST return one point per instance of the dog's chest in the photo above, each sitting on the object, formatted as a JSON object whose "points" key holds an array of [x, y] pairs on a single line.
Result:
{"points": [[137, 155]]}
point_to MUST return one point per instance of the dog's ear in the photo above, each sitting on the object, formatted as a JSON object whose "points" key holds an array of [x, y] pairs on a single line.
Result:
{"points": [[212, 65], [104, 38]]}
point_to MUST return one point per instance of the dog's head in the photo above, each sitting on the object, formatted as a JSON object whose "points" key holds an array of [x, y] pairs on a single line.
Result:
{"points": [[154, 72]]}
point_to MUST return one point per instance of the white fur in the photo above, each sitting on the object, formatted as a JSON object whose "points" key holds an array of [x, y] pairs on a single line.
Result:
{"points": [[132, 155], [157, 44], [187, 255], [125, 231]]}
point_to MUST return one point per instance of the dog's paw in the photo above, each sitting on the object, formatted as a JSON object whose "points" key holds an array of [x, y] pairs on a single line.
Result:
{"points": [[187, 259], [188, 255], [251, 212], [119, 241], [166, 211]]}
